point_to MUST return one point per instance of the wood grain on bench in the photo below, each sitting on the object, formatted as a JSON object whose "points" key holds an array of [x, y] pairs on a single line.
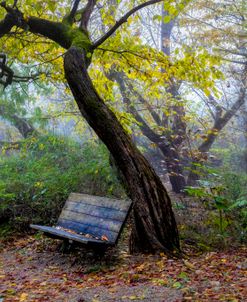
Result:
{"points": [[93, 215]]}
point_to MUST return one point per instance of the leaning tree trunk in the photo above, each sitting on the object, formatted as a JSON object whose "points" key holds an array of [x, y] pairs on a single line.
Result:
{"points": [[154, 223]]}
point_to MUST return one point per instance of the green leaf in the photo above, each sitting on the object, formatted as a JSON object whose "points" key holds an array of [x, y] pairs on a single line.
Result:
{"points": [[167, 19], [241, 202], [183, 275], [220, 203], [157, 17], [177, 285]]}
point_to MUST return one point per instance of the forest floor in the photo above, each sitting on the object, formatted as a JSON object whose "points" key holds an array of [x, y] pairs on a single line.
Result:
{"points": [[32, 269]]}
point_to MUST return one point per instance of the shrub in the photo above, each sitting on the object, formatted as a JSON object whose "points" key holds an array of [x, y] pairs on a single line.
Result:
{"points": [[36, 180], [225, 197]]}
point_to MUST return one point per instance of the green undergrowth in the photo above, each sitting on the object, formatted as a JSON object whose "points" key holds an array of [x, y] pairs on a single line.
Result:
{"points": [[36, 180], [217, 209]]}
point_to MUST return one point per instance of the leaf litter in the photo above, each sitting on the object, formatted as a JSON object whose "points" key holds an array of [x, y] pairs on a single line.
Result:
{"points": [[87, 235], [33, 270]]}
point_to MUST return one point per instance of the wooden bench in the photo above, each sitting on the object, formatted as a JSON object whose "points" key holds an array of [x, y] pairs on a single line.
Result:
{"points": [[91, 220]]}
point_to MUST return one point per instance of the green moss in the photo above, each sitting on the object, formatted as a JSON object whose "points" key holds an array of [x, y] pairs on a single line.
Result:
{"points": [[79, 39]]}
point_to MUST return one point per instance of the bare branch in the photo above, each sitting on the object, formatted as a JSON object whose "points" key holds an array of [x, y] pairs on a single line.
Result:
{"points": [[221, 121], [19, 79], [72, 14], [234, 61], [123, 20], [86, 14], [15, 3], [234, 52]]}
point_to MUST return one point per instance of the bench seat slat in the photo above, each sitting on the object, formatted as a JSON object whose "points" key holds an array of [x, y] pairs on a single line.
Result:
{"points": [[106, 224], [116, 204], [95, 210], [94, 230], [64, 234]]}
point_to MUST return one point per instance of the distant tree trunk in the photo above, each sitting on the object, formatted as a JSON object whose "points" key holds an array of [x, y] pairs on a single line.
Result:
{"points": [[20, 123], [175, 171], [171, 154], [25, 128], [245, 138], [154, 223]]}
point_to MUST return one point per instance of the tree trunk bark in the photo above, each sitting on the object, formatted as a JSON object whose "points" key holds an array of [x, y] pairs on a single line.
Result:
{"points": [[25, 128], [193, 177], [20, 123], [175, 171], [154, 226]]}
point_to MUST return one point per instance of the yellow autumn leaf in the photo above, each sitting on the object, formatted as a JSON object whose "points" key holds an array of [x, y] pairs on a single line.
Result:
{"points": [[23, 297], [133, 297], [188, 264]]}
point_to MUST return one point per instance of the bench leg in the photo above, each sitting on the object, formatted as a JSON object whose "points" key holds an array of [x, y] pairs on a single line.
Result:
{"points": [[66, 246], [99, 253]]}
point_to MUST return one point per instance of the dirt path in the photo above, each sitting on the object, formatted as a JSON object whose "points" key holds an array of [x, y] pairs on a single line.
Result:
{"points": [[33, 270]]}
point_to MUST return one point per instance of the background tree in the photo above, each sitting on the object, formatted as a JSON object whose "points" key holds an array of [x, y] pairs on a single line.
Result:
{"points": [[175, 141], [221, 27], [162, 118]]}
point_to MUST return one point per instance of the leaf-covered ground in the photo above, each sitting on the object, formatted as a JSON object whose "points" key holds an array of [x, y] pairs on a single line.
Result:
{"points": [[32, 269]]}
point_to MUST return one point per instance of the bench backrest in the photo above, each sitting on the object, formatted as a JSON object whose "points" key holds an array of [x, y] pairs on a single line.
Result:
{"points": [[97, 216]]}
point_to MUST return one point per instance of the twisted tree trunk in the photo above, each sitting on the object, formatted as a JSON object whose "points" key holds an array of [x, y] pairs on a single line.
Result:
{"points": [[154, 223]]}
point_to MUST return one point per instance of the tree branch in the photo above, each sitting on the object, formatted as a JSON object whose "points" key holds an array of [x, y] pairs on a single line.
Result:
{"points": [[222, 121], [15, 3], [234, 52], [11, 19], [6, 25], [55, 31], [123, 20], [147, 131], [70, 18], [86, 14], [154, 114], [19, 79]]}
